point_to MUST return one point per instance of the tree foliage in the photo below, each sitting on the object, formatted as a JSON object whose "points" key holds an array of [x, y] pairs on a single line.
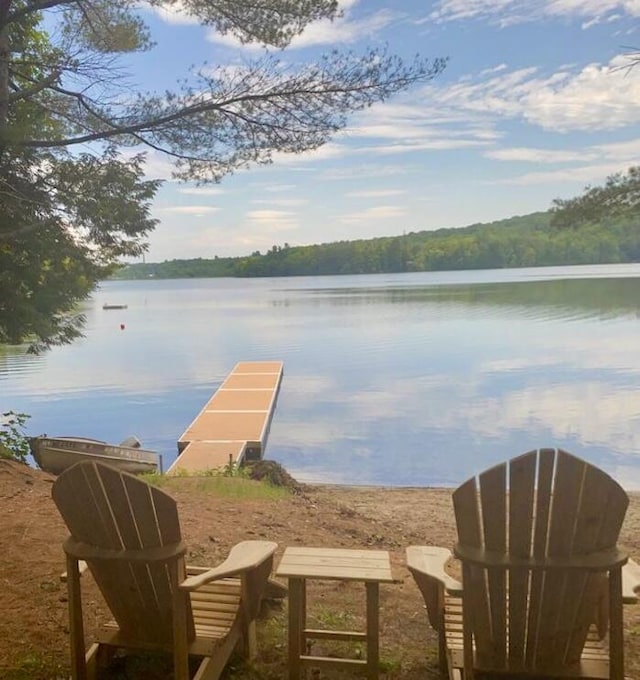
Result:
{"points": [[74, 197], [525, 241], [220, 119], [14, 444], [64, 221], [618, 198]]}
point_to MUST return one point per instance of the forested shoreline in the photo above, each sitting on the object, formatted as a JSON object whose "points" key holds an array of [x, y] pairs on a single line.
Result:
{"points": [[522, 241]]}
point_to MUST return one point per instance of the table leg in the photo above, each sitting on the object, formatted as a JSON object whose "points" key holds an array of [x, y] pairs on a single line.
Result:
{"points": [[303, 618], [296, 625], [373, 627]]}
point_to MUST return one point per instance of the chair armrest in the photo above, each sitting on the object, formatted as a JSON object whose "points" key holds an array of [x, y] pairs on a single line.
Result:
{"points": [[429, 561], [243, 557], [630, 582], [426, 564]]}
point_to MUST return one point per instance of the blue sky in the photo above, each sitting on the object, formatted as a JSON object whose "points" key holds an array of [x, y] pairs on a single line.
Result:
{"points": [[535, 103]]}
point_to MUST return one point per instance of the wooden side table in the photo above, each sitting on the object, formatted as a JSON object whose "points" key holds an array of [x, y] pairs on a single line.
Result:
{"points": [[371, 567]]}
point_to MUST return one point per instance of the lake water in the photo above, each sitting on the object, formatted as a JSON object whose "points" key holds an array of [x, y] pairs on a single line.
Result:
{"points": [[410, 379]]}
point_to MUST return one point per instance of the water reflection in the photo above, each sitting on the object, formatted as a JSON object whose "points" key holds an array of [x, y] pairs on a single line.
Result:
{"points": [[563, 298], [401, 380]]}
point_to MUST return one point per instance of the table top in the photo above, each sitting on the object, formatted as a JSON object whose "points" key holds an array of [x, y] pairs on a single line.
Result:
{"points": [[336, 563]]}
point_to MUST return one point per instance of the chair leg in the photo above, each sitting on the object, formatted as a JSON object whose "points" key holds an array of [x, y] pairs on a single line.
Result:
{"points": [[92, 660], [76, 628], [443, 661], [616, 633], [249, 640], [211, 667], [180, 642]]}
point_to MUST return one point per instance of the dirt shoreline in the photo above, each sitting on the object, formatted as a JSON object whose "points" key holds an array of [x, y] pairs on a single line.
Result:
{"points": [[33, 625]]}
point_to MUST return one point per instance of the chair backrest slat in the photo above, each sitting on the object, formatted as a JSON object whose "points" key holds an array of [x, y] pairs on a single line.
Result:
{"points": [[556, 625], [545, 463], [565, 505], [149, 584], [467, 511], [112, 510], [465, 503], [544, 504], [156, 524], [522, 483], [493, 500]]}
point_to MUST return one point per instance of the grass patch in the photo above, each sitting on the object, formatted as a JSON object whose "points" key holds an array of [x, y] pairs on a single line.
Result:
{"points": [[220, 485], [258, 480], [333, 620], [35, 665]]}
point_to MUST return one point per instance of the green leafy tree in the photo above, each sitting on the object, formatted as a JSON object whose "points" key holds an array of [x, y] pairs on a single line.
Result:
{"points": [[67, 214], [64, 221], [618, 198], [522, 241], [14, 444]]}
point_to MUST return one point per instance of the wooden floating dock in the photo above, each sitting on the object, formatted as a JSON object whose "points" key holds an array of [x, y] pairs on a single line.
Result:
{"points": [[234, 423]]}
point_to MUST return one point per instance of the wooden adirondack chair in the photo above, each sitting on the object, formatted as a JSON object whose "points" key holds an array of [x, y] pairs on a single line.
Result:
{"points": [[541, 574], [128, 534]]}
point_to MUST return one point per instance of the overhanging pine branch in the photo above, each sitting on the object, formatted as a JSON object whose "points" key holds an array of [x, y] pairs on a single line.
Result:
{"points": [[27, 92], [224, 106], [32, 8]]}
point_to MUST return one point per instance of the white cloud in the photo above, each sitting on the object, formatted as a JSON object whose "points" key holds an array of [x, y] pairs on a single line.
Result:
{"points": [[379, 212], [201, 191], [375, 193], [156, 166], [194, 210], [295, 163], [343, 30], [456, 10], [282, 202], [433, 145], [587, 174], [532, 155], [328, 151], [276, 188], [598, 97], [347, 4], [508, 12], [174, 13], [365, 171], [597, 162], [629, 150], [272, 220], [388, 130], [418, 126]]}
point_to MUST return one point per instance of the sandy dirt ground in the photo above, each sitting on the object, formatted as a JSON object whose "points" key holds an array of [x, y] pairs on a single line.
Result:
{"points": [[33, 611]]}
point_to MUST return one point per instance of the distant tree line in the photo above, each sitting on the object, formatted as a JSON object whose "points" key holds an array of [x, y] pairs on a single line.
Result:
{"points": [[523, 241]]}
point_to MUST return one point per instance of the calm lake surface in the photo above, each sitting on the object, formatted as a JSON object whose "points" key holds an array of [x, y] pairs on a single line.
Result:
{"points": [[409, 379]]}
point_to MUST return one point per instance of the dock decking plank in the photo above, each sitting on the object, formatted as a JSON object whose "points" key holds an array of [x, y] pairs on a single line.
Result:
{"points": [[225, 425], [258, 367], [250, 381], [234, 421], [202, 456], [241, 400]]}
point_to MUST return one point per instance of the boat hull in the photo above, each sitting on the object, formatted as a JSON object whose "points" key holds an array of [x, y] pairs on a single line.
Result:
{"points": [[56, 454]]}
